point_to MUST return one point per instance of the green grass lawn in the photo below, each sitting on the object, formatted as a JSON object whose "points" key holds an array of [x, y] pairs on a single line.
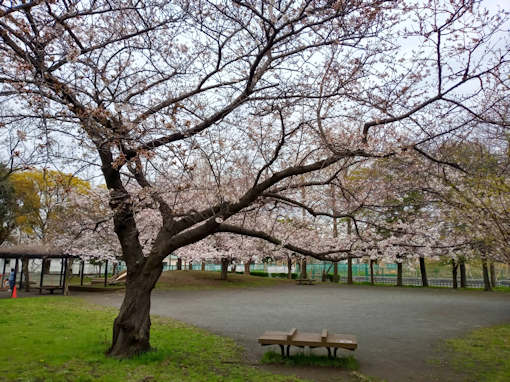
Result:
{"points": [[64, 339], [483, 355]]}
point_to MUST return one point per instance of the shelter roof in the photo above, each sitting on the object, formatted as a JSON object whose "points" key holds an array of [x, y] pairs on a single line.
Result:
{"points": [[32, 252]]}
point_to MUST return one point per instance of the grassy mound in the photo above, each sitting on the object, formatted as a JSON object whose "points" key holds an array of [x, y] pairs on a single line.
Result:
{"points": [[211, 280]]}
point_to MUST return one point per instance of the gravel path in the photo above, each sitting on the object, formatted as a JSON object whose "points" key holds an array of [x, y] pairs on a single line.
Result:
{"points": [[398, 330]]}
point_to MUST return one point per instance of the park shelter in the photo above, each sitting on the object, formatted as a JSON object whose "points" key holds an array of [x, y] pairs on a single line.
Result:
{"points": [[32, 253]]}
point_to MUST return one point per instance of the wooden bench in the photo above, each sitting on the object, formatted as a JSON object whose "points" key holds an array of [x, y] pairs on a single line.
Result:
{"points": [[305, 281], [50, 288], [312, 340]]}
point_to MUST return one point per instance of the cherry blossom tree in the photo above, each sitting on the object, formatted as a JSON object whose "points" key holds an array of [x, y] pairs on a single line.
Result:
{"points": [[200, 113]]}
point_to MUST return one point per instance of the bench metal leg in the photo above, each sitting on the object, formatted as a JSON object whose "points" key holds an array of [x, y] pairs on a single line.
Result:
{"points": [[335, 351], [282, 348], [288, 350], [329, 352]]}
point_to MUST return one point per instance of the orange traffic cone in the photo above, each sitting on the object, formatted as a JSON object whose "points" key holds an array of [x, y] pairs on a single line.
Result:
{"points": [[14, 295]]}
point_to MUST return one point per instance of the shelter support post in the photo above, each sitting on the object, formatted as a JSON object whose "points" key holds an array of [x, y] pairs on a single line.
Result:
{"points": [[42, 276], [3, 272], [82, 270], [65, 274], [61, 270], [16, 271], [105, 273], [20, 275]]}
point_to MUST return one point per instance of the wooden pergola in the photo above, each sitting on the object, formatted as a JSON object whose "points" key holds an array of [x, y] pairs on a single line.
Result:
{"points": [[37, 253]]}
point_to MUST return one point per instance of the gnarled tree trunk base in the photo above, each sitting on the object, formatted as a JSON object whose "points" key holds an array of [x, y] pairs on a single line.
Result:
{"points": [[131, 328]]}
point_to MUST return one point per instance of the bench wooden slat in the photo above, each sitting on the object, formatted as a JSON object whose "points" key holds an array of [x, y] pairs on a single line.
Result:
{"points": [[273, 338], [346, 341], [324, 335], [307, 339], [291, 334]]}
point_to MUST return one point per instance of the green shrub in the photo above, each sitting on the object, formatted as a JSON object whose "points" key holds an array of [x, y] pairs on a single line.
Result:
{"points": [[331, 277], [259, 273]]}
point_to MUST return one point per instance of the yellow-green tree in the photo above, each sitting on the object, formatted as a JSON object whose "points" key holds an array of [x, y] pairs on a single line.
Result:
{"points": [[43, 200]]}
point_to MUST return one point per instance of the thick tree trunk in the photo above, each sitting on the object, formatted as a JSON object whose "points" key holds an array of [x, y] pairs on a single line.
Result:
{"points": [[247, 265], [289, 267], [372, 281], [203, 266], [462, 265], [399, 274], [423, 272], [131, 328], [26, 282], [224, 268], [454, 273], [304, 274], [493, 274], [486, 279], [179, 264], [46, 266], [336, 278], [349, 270], [190, 265]]}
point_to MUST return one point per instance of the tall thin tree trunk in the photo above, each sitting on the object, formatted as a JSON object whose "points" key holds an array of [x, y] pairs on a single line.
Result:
{"points": [[100, 266], [289, 267], [462, 265], [336, 278], [304, 274], [486, 279], [179, 264], [203, 266], [454, 273], [372, 281], [24, 265], [493, 274], [131, 328], [399, 274], [349, 270], [423, 272], [68, 274], [349, 259], [224, 268]]}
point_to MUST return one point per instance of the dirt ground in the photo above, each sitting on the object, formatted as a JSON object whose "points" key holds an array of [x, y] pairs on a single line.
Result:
{"points": [[399, 330]]}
